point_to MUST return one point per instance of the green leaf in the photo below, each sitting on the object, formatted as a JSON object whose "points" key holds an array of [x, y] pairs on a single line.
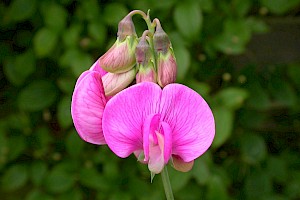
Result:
{"points": [[59, 180], [89, 177], [64, 112], [55, 17], [74, 144], [98, 32], [66, 84], [202, 88], [216, 189], [224, 119], [253, 148], [74, 194], [20, 10], [38, 95], [206, 5], [231, 98], [71, 35], [257, 25], [201, 172], [183, 60], [280, 6], [258, 97], [258, 185], [236, 34], [38, 172], [18, 69], [15, 177], [17, 146], [81, 63], [293, 71], [114, 13], [188, 19], [38, 195], [178, 179], [277, 169], [44, 42]]}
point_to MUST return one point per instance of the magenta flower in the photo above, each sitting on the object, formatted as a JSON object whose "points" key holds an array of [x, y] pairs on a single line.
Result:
{"points": [[159, 125], [88, 102]]}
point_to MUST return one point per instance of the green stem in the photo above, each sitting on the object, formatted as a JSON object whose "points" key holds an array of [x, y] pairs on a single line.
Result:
{"points": [[167, 184]]}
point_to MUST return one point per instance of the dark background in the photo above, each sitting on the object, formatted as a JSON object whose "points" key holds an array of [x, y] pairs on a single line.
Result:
{"points": [[242, 56]]}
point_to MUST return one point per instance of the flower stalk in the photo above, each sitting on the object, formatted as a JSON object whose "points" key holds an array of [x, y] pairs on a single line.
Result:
{"points": [[167, 184]]}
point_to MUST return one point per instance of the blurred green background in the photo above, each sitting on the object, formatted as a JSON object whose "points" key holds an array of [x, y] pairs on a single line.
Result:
{"points": [[242, 56]]}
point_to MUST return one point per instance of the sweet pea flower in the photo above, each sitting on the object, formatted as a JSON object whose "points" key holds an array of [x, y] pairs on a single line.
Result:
{"points": [[159, 125], [93, 89]]}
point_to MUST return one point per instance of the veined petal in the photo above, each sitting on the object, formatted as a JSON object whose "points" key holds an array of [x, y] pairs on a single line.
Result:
{"points": [[96, 67], [114, 83], [88, 102], [191, 121], [167, 133], [150, 125], [125, 114]]}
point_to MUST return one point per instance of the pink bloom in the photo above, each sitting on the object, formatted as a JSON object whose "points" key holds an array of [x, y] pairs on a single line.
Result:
{"points": [[158, 125], [166, 68]]}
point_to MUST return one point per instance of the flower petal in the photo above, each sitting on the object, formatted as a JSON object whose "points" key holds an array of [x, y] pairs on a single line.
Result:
{"points": [[125, 114], [88, 102], [191, 121], [96, 67], [167, 133]]}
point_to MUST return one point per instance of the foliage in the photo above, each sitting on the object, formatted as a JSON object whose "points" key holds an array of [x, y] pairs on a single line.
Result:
{"points": [[45, 45]]}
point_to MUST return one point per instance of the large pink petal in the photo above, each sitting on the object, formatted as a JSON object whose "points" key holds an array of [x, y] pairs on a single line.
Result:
{"points": [[191, 121], [96, 67], [88, 102], [125, 114]]}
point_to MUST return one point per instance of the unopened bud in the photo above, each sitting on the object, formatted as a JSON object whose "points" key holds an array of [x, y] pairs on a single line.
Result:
{"points": [[114, 83], [146, 73], [166, 68], [126, 28], [143, 52], [161, 40], [120, 57]]}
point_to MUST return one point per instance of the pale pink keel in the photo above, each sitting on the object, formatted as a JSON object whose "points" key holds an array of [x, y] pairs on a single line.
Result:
{"points": [[158, 125]]}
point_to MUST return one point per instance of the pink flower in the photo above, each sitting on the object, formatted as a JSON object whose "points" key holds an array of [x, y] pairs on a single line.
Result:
{"points": [[159, 125], [93, 89], [88, 102]]}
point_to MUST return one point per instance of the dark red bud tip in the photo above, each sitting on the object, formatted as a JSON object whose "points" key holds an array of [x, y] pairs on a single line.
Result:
{"points": [[161, 40], [126, 28], [143, 52]]}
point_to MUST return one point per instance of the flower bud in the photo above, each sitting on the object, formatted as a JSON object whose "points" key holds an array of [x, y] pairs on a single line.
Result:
{"points": [[166, 68], [114, 83], [146, 73], [161, 40], [120, 57]]}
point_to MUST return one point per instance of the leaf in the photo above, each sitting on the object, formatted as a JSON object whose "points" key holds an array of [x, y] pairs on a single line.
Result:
{"points": [[37, 195], [55, 16], [224, 119], [280, 6], [15, 177], [74, 144], [216, 189], [17, 146], [257, 185], [231, 98], [71, 35], [20, 10], [66, 84], [38, 172], [188, 19], [183, 60], [114, 13], [18, 69], [64, 112], [89, 177], [98, 32], [38, 95], [201, 172], [236, 34], [44, 42], [293, 71], [253, 148], [59, 180]]}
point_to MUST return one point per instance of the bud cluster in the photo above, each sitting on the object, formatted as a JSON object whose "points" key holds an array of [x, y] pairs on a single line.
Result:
{"points": [[148, 58]]}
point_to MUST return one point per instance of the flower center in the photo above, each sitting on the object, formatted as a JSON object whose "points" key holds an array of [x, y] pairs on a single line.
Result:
{"points": [[157, 143]]}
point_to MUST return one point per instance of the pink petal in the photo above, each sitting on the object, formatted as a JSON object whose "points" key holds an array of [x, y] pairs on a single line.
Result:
{"points": [[180, 165], [88, 102], [190, 119], [149, 127], [125, 114], [156, 160], [167, 133], [96, 67]]}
